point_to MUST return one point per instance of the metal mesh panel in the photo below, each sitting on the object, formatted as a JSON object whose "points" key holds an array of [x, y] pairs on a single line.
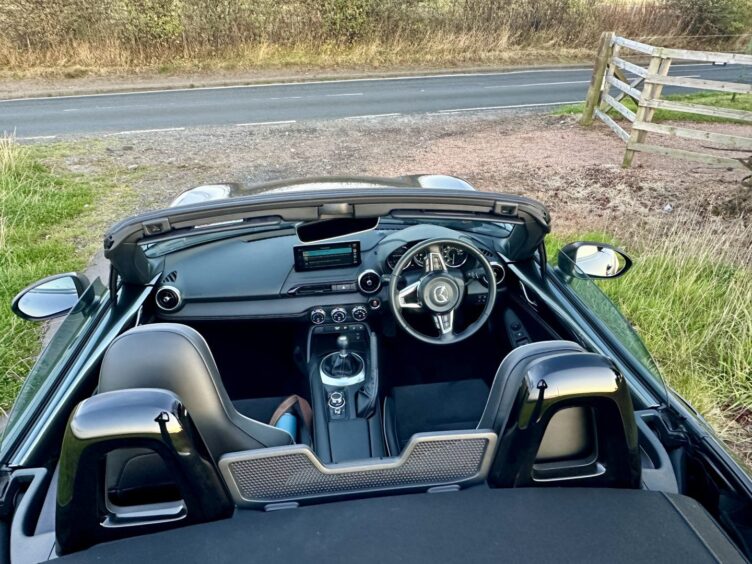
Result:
{"points": [[284, 476]]}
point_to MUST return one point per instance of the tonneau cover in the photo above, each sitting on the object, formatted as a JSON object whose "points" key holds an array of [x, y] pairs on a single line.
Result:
{"points": [[475, 525]]}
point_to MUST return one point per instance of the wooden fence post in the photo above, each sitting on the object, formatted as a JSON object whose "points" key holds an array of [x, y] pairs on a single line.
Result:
{"points": [[658, 65], [599, 72], [611, 71]]}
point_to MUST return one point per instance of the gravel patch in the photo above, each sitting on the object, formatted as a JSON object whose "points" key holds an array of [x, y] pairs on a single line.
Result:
{"points": [[575, 171]]}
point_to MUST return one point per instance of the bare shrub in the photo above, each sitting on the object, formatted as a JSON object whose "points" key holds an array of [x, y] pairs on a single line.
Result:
{"points": [[133, 33]]}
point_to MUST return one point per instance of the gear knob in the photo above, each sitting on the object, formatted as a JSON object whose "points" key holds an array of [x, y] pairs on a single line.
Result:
{"points": [[343, 342]]}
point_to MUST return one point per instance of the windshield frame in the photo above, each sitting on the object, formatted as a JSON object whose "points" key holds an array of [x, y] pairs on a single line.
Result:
{"points": [[62, 352], [650, 377]]}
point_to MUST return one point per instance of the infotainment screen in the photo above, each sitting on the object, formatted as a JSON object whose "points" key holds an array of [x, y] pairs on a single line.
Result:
{"points": [[334, 255]]}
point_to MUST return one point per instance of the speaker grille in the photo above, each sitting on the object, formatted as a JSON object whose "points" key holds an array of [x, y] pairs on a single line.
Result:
{"points": [[293, 473]]}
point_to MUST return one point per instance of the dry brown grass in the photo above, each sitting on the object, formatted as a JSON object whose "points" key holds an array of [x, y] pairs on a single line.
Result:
{"points": [[76, 37], [83, 59]]}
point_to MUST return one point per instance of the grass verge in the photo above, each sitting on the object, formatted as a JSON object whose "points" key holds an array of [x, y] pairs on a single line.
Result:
{"points": [[716, 99], [46, 226], [33, 204], [689, 296]]}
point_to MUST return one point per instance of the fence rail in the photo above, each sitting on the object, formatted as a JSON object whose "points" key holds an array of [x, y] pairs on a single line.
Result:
{"points": [[609, 71]]}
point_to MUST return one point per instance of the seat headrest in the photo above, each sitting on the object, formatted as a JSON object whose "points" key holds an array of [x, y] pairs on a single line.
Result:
{"points": [[177, 358], [149, 354]]}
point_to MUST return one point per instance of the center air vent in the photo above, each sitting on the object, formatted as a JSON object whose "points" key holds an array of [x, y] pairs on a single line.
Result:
{"points": [[369, 282]]}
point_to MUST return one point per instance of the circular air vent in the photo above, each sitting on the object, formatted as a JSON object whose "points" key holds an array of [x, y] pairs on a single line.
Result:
{"points": [[369, 282], [168, 298], [499, 274]]}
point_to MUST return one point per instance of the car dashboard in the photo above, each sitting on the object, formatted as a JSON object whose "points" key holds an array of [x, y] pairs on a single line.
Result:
{"points": [[336, 280]]}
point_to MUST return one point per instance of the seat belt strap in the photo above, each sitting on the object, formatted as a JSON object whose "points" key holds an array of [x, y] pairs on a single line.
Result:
{"points": [[300, 405]]}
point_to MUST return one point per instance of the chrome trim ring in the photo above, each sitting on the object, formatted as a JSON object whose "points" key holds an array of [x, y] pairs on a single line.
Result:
{"points": [[175, 291], [503, 272], [464, 260], [369, 271], [338, 315], [359, 313], [358, 378]]}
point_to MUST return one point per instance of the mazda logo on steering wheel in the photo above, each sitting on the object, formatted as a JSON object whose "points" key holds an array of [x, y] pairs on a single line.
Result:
{"points": [[441, 294]]}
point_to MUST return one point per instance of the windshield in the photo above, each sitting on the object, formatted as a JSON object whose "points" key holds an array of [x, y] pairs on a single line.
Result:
{"points": [[497, 229], [161, 248], [198, 236]]}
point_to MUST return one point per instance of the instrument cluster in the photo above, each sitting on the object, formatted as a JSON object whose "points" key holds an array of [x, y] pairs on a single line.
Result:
{"points": [[454, 257]]}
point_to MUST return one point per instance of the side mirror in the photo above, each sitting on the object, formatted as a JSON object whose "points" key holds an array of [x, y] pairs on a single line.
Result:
{"points": [[596, 260], [50, 297]]}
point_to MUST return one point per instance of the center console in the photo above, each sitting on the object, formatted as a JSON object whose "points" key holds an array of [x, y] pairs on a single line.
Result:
{"points": [[343, 374]]}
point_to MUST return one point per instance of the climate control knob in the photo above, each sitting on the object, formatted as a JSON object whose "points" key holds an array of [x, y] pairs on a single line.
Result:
{"points": [[359, 313], [339, 314], [318, 316]]}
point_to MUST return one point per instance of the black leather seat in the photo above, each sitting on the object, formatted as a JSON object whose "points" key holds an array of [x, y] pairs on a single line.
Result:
{"points": [[582, 427], [176, 358]]}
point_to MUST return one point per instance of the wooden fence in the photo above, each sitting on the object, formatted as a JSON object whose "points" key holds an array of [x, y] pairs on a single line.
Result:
{"points": [[612, 70]]}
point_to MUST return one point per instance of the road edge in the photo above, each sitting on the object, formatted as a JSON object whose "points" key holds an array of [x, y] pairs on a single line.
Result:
{"points": [[180, 83]]}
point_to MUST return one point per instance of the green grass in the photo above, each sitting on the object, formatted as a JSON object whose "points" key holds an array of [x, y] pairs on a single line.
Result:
{"points": [[35, 208], [717, 99], [689, 296]]}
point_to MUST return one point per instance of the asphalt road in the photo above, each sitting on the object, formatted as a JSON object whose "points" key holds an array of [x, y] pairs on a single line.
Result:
{"points": [[247, 106]]}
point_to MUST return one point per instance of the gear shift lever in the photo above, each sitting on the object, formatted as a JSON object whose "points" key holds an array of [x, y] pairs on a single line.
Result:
{"points": [[343, 342], [342, 368]]}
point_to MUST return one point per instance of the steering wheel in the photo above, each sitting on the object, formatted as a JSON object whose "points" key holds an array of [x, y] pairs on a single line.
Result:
{"points": [[438, 291]]}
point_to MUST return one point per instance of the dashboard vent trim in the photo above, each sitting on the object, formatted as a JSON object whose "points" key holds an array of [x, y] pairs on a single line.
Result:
{"points": [[170, 277], [311, 289], [369, 289], [168, 298]]}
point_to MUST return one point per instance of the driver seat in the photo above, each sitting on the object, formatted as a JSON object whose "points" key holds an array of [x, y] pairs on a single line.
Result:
{"points": [[176, 358]]}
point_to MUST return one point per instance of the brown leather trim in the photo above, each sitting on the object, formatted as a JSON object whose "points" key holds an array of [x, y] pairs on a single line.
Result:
{"points": [[300, 405]]}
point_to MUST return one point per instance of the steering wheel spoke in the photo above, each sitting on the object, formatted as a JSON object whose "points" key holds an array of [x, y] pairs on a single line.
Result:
{"points": [[435, 260], [407, 298], [445, 324]]}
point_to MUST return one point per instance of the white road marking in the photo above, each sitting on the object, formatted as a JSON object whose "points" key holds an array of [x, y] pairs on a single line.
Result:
{"points": [[135, 131], [695, 65], [537, 84], [298, 83], [265, 123], [37, 137], [508, 107], [118, 107], [286, 98], [372, 116], [346, 94]]}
